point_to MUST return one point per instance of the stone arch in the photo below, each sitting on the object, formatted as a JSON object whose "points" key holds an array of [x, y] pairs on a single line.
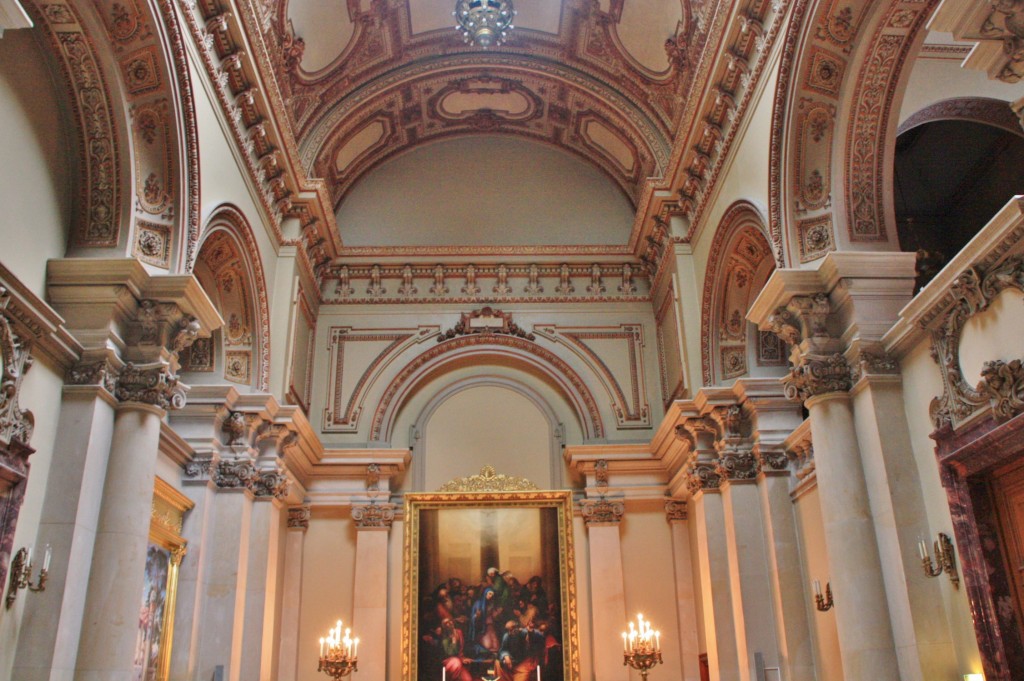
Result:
{"points": [[830, 178], [994, 112], [419, 447], [482, 349], [739, 263], [124, 68], [229, 268]]}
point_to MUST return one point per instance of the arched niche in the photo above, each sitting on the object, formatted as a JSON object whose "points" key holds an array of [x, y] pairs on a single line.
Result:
{"points": [[467, 421], [482, 354], [739, 264], [229, 270]]}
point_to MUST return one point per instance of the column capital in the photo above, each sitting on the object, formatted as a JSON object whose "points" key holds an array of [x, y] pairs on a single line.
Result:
{"points": [[373, 516], [675, 510], [298, 517], [602, 511], [154, 383]]}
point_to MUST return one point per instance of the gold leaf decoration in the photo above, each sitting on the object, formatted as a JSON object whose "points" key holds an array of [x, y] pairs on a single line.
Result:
{"points": [[488, 481]]}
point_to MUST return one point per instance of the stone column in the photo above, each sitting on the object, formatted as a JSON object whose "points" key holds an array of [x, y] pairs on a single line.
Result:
{"points": [[686, 597], [607, 587], [704, 484], [107, 645], [291, 597], [51, 628], [370, 598], [922, 636]]}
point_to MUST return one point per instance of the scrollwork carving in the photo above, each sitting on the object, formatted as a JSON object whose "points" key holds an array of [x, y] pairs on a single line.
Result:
{"points": [[601, 511], [972, 292], [150, 384], [272, 482], [703, 476], [675, 510], [298, 517], [373, 516], [16, 424], [817, 375], [488, 481], [237, 473]]}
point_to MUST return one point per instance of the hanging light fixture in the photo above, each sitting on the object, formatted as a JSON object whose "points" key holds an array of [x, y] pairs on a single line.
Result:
{"points": [[484, 22]]}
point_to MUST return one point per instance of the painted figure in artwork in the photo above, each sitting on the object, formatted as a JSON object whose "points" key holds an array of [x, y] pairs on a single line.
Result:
{"points": [[522, 650]]}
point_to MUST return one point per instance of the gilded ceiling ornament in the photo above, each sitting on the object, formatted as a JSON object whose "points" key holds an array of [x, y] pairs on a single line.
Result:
{"points": [[488, 481]]}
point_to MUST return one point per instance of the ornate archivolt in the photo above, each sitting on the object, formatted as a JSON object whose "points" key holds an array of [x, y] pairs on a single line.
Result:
{"points": [[231, 272], [134, 75], [739, 264], [829, 64]]}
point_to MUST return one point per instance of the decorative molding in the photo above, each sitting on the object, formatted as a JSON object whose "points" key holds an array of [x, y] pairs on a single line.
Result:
{"points": [[16, 424], [601, 473], [485, 321], [601, 511], [703, 476], [488, 481], [373, 516], [504, 282], [152, 384], [999, 390], [233, 473], [818, 375]]}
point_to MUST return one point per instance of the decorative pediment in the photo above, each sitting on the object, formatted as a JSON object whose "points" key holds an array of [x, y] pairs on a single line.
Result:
{"points": [[488, 481], [485, 320]]}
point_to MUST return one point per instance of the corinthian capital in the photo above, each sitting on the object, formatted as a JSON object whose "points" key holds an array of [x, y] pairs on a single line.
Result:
{"points": [[601, 511], [373, 516], [150, 384], [817, 375]]}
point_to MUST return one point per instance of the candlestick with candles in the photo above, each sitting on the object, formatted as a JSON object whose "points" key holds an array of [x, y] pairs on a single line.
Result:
{"points": [[338, 653], [641, 647]]}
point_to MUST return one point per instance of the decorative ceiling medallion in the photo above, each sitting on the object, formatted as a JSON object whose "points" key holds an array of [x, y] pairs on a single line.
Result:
{"points": [[488, 481], [484, 22]]}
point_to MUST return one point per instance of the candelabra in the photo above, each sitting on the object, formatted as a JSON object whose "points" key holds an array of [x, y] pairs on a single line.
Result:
{"points": [[21, 574], [338, 653], [641, 647], [945, 560], [823, 603]]}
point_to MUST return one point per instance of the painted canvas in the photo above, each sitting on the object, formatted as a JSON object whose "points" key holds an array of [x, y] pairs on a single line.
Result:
{"points": [[491, 582], [149, 637]]}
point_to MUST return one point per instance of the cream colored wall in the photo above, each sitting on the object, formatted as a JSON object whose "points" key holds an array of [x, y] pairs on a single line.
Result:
{"points": [[412, 319], [34, 190], [485, 190], [328, 573], [40, 394], [647, 563], [921, 382], [933, 80], [488, 425], [827, 659]]}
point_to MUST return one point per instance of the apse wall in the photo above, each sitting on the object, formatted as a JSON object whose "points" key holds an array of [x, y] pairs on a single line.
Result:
{"points": [[494, 191]]}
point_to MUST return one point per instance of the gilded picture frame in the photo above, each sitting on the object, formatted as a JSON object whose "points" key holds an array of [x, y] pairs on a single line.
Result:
{"points": [[452, 537], [160, 587]]}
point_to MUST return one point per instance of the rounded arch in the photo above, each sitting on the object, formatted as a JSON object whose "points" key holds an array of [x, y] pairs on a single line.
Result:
{"points": [[420, 445], [230, 270], [986, 110], [831, 176], [481, 349], [126, 74], [739, 263]]}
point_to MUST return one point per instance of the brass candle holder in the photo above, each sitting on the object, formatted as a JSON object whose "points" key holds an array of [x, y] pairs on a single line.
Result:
{"points": [[823, 603], [21, 574], [641, 647], [945, 559], [338, 653]]}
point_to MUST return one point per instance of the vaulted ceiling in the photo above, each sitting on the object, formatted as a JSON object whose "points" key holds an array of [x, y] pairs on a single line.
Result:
{"points": [[365, 80]]}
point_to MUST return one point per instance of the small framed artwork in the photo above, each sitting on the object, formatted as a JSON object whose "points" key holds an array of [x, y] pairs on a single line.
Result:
{"points": [[489, 583], [159, 592]]}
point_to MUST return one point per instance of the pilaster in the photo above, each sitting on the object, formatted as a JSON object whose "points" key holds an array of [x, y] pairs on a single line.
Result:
{"points": [[602, 517], [370, 599], [686, 597], [291, 597]]}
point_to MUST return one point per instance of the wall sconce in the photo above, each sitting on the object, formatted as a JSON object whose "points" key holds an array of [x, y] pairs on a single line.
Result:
{"points": [[21, 573], [823, 603], [945, 560]]}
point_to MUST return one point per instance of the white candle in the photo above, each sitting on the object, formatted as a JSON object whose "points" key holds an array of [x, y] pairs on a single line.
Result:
{"points": [[625, 648], [321, 646], [657, 640], [28, 556], [538, 672], [46, 558], [355, 648], [817, 588], [444, 674]]}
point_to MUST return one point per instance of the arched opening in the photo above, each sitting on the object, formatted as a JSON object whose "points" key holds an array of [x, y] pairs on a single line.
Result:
{"points": [[951, 177]]}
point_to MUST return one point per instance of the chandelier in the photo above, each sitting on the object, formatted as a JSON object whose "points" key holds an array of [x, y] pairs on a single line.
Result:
{"points": [[484, 22]]}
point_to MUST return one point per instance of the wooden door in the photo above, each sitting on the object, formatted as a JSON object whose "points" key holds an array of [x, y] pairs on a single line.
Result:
{"points": [[1008, 486]]}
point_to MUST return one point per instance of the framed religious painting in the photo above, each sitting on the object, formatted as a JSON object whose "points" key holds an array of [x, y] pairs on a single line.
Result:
{"points": [[489, 583], [159, 592]]}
